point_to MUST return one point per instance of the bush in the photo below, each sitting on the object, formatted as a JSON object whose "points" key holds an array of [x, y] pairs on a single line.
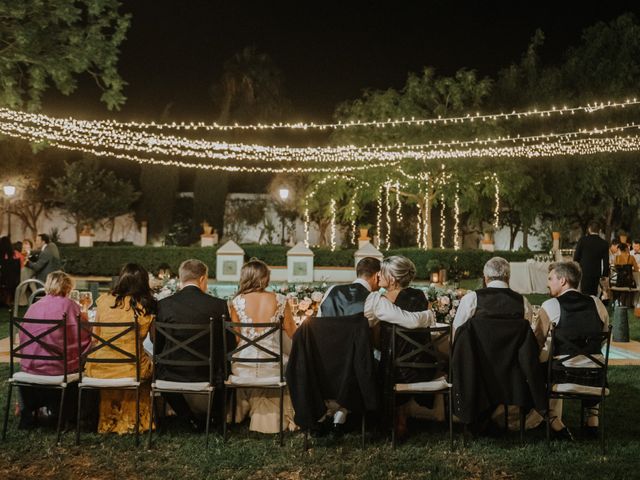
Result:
{"points": [[107, 260]]}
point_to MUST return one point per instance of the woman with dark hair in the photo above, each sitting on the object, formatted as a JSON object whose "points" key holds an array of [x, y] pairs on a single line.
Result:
{"points": [[130, 299], [253, 304]]}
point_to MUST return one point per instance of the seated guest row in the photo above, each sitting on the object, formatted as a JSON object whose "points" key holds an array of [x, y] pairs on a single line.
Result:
{"points": [[492, 308]]}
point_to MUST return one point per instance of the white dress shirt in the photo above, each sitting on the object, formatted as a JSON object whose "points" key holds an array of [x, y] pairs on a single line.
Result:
{"points": [[469, 303], [362, 282], [550, 314], [378, 308]]}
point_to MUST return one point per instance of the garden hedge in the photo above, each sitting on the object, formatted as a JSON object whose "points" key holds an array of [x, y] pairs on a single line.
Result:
{"points": [[107, 260]]}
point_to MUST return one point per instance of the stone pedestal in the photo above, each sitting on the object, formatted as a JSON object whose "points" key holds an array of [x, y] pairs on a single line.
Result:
{"points": [[367, 250], [299, 264], [229, 261], [489, 247], [209, 240], [85, 240]]}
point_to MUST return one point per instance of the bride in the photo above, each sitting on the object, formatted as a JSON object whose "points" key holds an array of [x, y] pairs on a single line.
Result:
{"points": [[253, 304]]}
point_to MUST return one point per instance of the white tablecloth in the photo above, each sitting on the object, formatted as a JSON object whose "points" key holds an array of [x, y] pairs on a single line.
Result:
{"points": [[529, 277]]}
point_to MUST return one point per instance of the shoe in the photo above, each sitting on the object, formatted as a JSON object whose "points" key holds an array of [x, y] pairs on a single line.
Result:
{"points": [[323, 428], [562, 435], [337, 431], [591, 432]]}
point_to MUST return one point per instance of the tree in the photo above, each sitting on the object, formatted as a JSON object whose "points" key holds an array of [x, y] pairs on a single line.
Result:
{"points": [[51, 42], [159, 185], [87, 194]]}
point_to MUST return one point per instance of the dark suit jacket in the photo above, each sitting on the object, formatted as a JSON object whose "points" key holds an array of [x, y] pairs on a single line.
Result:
{"points": [[592, 253], [48, 261], [191, 305], [331, 358]]}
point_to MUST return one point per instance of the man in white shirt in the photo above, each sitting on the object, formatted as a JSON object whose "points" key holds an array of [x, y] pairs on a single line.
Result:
{"points": [[496, 276], [570, 309], [636, 250]]}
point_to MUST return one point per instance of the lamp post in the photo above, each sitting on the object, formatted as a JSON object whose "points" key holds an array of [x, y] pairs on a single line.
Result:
{"points": [[284, 195], [9, 192]]}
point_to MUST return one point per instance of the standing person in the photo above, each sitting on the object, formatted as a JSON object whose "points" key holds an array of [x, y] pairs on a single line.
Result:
{"points": [[191, 304], [26, 273], [48, 260], [130, 298], [636, 250], [9, 271], [592, 253], [625, 257]]}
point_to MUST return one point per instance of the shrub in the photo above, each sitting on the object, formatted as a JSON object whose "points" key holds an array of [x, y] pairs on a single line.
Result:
{"points": [[107, 260]]}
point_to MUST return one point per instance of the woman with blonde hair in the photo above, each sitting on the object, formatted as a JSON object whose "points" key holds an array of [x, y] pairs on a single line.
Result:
{"points": [[55, 305], [254, 304]]}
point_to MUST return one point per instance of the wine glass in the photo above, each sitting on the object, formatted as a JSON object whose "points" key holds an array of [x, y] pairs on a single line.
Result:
{"points": [[86, 300], [75, 296], [293, 303]]}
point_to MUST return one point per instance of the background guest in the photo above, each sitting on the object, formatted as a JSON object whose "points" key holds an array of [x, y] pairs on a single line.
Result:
{"points": [[592, 253], [48, 258]]}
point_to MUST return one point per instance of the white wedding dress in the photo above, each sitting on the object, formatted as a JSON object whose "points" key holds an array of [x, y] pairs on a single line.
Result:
{"points": [[260, 404]]}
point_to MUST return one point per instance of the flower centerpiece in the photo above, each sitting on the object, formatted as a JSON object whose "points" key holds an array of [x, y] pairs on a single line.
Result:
{"points": [[304, 299], [444, 301]]}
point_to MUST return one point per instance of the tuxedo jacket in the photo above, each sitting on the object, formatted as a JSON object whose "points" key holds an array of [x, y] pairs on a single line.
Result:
{"points": [[191, 305], [48, 261], [592, 253]]}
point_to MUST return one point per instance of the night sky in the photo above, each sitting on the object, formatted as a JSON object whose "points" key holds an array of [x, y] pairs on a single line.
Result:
{"points": [[327, 52]]}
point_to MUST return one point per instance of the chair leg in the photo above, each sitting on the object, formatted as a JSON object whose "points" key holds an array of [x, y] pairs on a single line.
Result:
{"points": [[393, 420], [137, 416], [281, 415], [224, 414], [449, 401], [60, 413], [210, 398], [364, 421], [522, 424], [548, 429], [6, 413], [152, 405], [601, 428], [79, 416]]}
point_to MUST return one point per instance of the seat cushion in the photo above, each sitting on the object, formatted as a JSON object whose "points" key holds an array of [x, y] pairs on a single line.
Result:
{"points": [[108, 382], [578, 389], [182, 386], [432, 386], [255, 381], [24, 377]]}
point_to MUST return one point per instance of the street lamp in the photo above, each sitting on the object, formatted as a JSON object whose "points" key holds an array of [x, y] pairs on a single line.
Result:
{"points": [[9, 191], [284, 194]]}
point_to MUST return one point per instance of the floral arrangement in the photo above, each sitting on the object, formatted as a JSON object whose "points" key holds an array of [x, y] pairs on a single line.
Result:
{"points": [[304, 299], [163, 288], [444, 301]]}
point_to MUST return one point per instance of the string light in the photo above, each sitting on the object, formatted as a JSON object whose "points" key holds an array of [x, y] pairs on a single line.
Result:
{"points": [[442, 220], [398, 204], [379, 218], [427, 207], [354, 228], [195, 126], [419, 222], [456, 216], [333, 224], [496, 221], [306, 224], [387, 188]]}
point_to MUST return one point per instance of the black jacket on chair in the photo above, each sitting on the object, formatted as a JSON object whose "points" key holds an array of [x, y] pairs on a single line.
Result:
{"points": [[345, 300], [331, 358], [495, 361], [192, 305]]}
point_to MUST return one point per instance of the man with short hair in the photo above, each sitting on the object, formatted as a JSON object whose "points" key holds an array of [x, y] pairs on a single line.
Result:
{"points": [[579, 312], [192, 304], [48, 260], [345, 300], [636, 250], [496, 278], [592, 253]]}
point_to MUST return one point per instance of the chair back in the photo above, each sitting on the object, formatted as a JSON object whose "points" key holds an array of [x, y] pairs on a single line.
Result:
{"points": [[23, 285], [566, 345], [114, 354], [269, 356], [185, 348], [417, 348], [622, 276], [50, 352]]}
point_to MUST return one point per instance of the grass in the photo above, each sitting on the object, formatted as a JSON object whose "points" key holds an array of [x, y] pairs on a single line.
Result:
{"points": [[248, 455]]}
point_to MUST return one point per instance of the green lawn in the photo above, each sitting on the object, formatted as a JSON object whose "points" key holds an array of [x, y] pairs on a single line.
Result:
{"points": [[249, 456]]}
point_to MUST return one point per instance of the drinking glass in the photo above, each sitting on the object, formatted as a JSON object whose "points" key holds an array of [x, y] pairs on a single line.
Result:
{"points": [[86, 300], [75, 296]]}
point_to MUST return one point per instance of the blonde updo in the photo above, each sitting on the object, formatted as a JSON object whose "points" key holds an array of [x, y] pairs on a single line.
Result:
{"points": [[400, 269]]}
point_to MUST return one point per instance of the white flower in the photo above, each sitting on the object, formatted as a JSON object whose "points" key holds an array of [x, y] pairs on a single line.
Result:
{"points": [[444, 300], [305, 304], [452, 312], [456, 303], [316, 297], [299, 288]]}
